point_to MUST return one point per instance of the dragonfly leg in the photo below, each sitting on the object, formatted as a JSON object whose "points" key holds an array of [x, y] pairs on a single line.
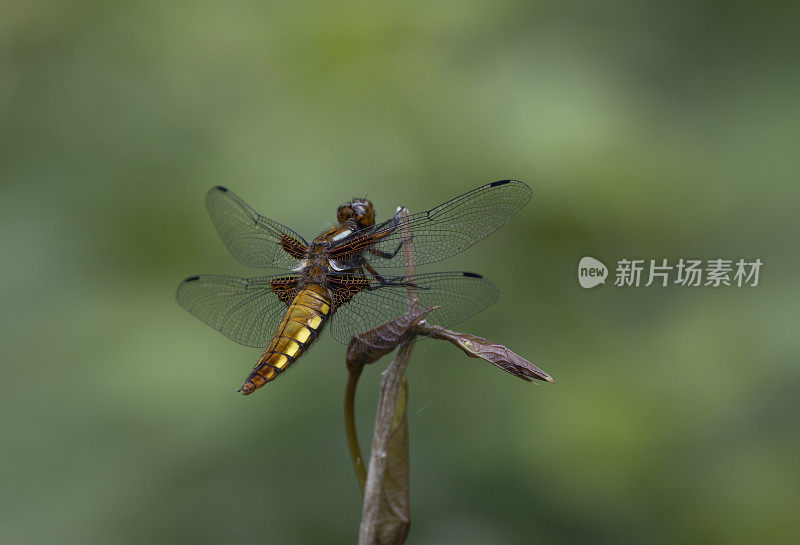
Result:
{"points": [[386, 255], [382, 281], [374, 273]]}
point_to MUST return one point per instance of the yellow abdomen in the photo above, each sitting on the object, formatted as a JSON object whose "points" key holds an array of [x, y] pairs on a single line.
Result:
{"points": [[300, 326]]}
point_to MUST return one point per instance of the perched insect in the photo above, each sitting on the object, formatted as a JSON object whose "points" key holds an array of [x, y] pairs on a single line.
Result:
{"points": [[335, 278]]}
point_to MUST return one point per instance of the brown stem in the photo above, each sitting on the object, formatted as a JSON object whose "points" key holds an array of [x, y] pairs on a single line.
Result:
{"points": [[391, 380], [350, 427]]}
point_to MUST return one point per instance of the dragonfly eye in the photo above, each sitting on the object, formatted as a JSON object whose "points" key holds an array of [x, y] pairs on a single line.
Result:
{"points": [[365, 215], [359, 211]]}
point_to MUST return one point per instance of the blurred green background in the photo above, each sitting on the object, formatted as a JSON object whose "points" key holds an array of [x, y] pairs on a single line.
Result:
{"points": [[647, 130]]}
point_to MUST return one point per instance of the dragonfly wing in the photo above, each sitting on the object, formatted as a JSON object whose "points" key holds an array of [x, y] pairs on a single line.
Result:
{"points": [[246, 310], [460, 294], [251, 238], [440, 232]]}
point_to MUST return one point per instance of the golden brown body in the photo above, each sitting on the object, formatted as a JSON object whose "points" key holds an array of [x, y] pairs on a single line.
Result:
{"points": [[307, 313]]}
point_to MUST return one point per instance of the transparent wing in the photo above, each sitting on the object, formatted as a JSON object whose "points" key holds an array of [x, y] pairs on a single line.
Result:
{"points": [[461, 294], [251, 238], [246, 310], [440, 232]]}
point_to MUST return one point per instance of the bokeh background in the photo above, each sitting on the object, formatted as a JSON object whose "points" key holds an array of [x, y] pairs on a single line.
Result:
{"points": [[649, 130]]}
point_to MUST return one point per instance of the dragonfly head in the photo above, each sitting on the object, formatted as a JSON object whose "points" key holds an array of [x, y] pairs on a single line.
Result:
{"points": [[358, 211]]}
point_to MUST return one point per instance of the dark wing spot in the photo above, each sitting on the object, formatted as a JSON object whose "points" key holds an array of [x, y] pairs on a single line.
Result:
{"points": [[220, 188], [192, 279], [473, 275], [501, 182]]}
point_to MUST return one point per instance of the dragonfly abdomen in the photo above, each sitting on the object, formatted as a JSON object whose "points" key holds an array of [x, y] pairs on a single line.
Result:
{"points": [[301, 325]]}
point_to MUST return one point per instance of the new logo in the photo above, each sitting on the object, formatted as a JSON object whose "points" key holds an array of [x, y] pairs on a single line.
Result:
{"points": [[591, 272]]}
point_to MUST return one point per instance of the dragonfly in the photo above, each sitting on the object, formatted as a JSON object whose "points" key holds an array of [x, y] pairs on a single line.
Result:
{"points": [[347, 278]]}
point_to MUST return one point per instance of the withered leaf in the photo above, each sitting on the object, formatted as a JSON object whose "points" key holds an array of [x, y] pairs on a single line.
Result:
{"points": [[497, 354], [369, 346]]}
